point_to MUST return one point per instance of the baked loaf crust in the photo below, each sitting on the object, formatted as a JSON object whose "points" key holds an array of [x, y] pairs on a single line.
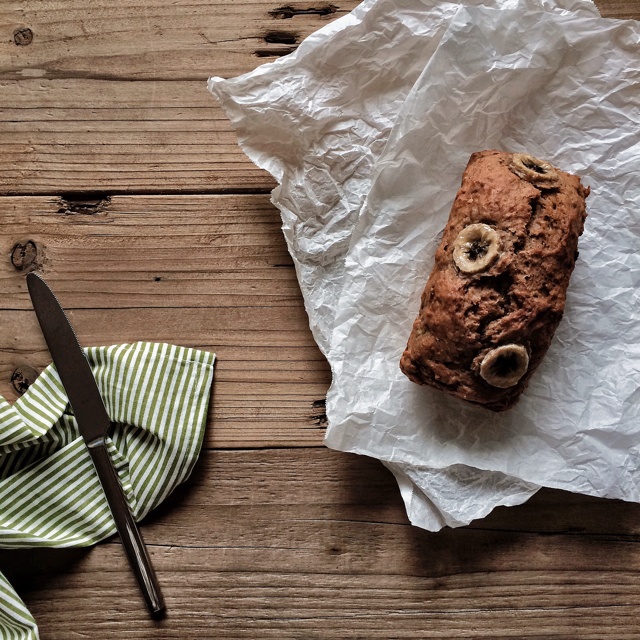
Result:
{"points": [[497, 291]]}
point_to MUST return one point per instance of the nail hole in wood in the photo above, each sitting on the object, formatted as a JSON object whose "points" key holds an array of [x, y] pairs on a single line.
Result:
{"points": [[83, 203], [280, 37]]}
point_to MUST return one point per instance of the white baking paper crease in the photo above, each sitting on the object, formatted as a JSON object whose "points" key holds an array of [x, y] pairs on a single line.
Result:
{"points": [[367, 127]]}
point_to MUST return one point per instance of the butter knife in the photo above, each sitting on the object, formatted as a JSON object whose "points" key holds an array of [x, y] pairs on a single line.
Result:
{"points": [[93, 423]]}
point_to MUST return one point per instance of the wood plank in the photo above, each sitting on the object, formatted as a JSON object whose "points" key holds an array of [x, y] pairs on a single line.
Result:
{"points": [[263, 544], [211, 272], [119, 136], [148, 251], [270, 379], [167, 40], [619, 9], [155, 39], [114, 99]]}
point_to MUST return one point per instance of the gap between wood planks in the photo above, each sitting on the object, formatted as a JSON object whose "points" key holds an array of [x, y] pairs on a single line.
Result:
{"points": [[79, 195]]}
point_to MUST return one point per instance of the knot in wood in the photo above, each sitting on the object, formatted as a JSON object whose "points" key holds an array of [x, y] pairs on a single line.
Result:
{"points": [[24, 255], [23, 36], [22, 378]]}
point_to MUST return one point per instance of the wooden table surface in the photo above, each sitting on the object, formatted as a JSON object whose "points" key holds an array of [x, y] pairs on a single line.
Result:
{"points": [[122, 182]]}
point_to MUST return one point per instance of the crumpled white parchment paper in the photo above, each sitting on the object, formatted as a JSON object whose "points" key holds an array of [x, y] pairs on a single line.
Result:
{"points": [[384, 106]]}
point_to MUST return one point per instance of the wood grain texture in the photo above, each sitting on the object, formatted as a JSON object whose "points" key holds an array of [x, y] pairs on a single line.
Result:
{"points": [[118, 136], [316, 545], [269, 386], [155, 39], [211, 272], [114, 98], [125, 188], [150, 251]]}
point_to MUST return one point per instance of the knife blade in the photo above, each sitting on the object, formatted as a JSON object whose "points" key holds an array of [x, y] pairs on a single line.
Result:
{"points": [[94, 423]]}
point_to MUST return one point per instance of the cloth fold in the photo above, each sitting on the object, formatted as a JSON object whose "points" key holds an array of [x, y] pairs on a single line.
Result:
{"points": [[156, 395]]}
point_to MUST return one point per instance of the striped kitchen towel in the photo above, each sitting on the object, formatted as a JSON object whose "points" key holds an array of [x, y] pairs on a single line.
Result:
{"points": [[157, 396]]}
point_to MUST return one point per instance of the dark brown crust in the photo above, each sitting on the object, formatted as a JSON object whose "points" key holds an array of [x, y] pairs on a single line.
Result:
{"points": [[519, 299]]}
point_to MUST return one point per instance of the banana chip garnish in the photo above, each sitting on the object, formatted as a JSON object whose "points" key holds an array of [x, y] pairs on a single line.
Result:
{"points": [[503, 366], [476, 248], [536, 171]]}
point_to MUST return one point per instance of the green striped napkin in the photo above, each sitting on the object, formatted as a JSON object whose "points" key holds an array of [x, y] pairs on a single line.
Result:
{"points": [[157, 395]]}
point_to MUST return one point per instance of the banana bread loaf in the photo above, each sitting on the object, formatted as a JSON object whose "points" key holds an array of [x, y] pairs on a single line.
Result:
{"points": [[497, 291]]}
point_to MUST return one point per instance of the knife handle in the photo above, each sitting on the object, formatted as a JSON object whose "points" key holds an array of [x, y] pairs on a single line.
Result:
{"points": [[127, 528]]}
